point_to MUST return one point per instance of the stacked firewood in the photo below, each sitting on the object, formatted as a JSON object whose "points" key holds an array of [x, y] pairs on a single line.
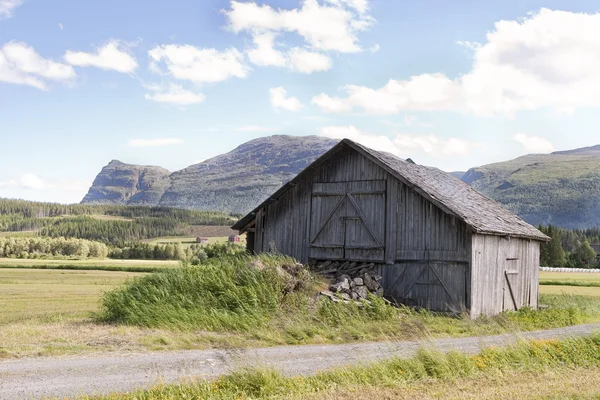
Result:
{"points": [[350, 281]]}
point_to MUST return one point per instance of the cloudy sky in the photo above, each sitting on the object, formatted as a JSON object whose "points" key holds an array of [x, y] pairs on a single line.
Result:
{"points": [[450, 84]]}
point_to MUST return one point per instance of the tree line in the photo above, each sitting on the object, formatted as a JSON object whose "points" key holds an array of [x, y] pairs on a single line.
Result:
{"points": [[175, 251], [569, 248], [39, 247], [81, 220]]}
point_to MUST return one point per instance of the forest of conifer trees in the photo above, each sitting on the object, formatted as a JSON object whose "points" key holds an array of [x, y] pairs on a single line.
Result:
{"points": [[569, 248], [80, 221]]}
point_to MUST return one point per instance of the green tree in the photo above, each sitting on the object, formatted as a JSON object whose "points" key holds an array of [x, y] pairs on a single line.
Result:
{"points": [[584, 255], [552, 253]]}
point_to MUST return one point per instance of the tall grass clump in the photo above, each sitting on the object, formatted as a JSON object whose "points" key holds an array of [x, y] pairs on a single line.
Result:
{"points": [[234, 294]]}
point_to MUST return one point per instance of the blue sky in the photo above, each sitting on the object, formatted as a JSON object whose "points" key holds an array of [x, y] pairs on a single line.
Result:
{"points": [[449, 84]]}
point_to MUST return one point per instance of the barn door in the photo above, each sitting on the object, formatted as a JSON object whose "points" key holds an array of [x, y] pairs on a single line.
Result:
{"points": [[437, 286], [511, 280], [348, 221]]}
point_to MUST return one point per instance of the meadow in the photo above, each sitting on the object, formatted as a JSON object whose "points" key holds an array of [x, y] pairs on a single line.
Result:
{"points": [[88, 265], [53, 312]]}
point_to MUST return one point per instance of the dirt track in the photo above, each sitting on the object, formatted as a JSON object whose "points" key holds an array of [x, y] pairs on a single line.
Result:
{"points": [[60, 377]]}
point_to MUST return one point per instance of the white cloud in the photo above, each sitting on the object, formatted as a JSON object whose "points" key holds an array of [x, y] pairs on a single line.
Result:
{"points": [[362, 6], [114, 55], [534, 144], [20, 64], [432, 145], [174, 94], [279, 99], [403, 145], [549, 59], [60, 26], [154, 142], [8, 6], [375, 48], [264, 54], [419, 93], [308, 62], [186, 62], [375, 142], [30, 181], [331, 27]]}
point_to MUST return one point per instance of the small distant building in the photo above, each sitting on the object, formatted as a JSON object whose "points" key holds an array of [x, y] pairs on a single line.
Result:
{"points": [[201, 240], [234, 239]]}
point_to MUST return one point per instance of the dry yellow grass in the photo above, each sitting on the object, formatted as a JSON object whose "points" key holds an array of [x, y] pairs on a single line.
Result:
{"points": [[90, 262], [569, 276], [576, 383], [49, 295], [572, 290]]}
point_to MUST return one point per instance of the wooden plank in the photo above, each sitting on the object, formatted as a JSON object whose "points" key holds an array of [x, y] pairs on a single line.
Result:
{"points": [[339, 203], [364, 219], [510, 289], [456, 302]]}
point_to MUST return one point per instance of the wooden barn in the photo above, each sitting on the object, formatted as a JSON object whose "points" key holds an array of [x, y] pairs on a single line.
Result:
{"points": [[437, 242]]}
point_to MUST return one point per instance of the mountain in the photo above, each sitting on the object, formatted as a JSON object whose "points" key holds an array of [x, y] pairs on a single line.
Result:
{"points": [[562, 188], [233, 182], [120, 183], [457, 174]]}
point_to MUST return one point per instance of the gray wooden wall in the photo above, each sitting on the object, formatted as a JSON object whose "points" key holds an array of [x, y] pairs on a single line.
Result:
{"points": [[504, 275], [425, 258]]}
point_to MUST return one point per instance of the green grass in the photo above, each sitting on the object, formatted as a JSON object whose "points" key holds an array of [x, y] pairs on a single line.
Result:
{"points": [[42, 296], [428, 366], [570, 290], [580, 279], [222, 294], [222, 304], [87, 265], [229, 294]]}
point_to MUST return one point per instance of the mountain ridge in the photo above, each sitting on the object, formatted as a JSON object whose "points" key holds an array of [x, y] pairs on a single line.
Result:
{"points": [[231, 182], [560, 188]]}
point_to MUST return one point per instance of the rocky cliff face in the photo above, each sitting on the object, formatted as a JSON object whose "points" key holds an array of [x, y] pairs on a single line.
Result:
{"points": [[233, 182], [120, 183]]}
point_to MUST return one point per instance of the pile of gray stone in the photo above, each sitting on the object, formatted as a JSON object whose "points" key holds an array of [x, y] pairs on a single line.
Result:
{"points": [[350, 281]]}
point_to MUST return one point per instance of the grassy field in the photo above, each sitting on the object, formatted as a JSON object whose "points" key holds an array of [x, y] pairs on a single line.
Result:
{"points": [[50, 295], [570, 290], [46, 312], [572, 283], [99, 265]]}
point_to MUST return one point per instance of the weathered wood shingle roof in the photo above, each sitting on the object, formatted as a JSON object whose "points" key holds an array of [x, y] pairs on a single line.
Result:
{"points": [[450, 194]]}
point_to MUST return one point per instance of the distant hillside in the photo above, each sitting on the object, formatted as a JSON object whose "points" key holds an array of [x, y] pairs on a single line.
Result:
{"points": [[561, 188], [457, 174], [232, 182]]}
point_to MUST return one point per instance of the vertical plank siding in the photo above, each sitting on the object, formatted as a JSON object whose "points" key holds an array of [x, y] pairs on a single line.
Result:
{"points": [[426, 256], [505, 271]]}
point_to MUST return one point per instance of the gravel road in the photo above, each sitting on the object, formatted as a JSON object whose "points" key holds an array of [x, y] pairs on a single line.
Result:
{"points": [[103, 374]]}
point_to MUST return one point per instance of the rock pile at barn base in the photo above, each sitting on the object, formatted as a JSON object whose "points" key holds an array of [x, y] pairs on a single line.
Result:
{"points": [[350, 281]]}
